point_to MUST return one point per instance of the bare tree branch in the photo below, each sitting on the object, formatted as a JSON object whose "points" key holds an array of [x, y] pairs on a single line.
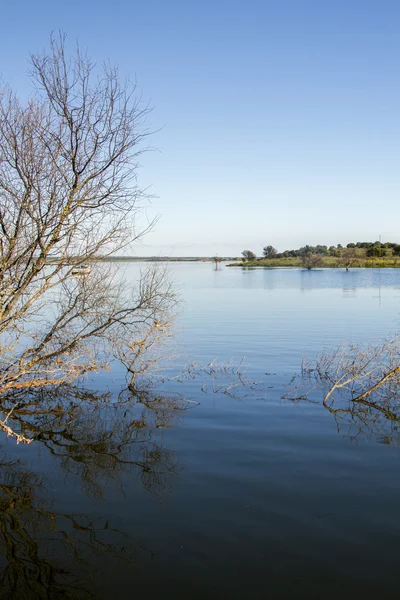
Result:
{"points": [[359, 386], [69, 196]]}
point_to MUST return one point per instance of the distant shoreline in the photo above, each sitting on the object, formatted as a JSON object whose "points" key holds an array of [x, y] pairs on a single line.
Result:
{"points": [[167, 258], [292, 262], [328, 262], [152, 259]]}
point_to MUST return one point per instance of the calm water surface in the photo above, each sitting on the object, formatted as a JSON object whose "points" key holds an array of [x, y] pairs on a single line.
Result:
{"points": [[237, 497]]}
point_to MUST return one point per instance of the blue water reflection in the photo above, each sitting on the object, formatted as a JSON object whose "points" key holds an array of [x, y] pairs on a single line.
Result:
{"points": [[248, 498]]}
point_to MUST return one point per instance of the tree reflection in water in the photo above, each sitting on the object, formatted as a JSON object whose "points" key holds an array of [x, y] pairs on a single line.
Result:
{"points": [[96, 440], [359, 386]]}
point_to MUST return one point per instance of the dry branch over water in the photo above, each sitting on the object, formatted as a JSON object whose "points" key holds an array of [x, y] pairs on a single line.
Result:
{"points": [[358, 385]]}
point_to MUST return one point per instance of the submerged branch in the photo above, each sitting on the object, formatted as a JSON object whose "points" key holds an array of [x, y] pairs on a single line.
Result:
{"points": [[359, 385]]}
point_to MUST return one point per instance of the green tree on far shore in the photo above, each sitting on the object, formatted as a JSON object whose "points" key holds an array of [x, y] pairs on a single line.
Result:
{"points": [[269, 252], [248, 255], [377, 250]]}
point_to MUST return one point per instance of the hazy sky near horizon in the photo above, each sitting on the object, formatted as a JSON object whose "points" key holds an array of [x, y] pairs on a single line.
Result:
{"points": [[278, 121]]}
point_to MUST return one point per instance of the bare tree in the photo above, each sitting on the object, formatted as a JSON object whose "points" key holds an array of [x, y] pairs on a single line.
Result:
{"points": [[310, 260], [349, 257], [69, 196], [217, 260], [359, 386]]}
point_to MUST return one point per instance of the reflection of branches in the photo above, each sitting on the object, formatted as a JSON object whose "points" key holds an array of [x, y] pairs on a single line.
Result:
{"points": [[31, 532], [361, 387], [96, 438]]}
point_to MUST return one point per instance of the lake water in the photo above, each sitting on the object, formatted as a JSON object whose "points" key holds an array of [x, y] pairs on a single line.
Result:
{"points": [[217, 490]]}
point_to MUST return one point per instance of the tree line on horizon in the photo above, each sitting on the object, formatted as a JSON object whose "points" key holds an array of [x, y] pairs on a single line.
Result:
{"points": [[372, 249]]}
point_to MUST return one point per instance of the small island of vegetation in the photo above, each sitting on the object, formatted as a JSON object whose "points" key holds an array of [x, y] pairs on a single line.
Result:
{"points": [[358, 254]]}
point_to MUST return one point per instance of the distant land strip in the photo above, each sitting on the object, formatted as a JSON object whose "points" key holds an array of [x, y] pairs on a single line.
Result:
{"points": [[149, 258]]}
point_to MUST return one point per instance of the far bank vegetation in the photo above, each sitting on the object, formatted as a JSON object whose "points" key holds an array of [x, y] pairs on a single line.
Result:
{"points": [[354, 255]]}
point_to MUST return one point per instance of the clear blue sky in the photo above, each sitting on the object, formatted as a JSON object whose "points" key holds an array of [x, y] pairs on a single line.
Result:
{"points": [[280, 119]]}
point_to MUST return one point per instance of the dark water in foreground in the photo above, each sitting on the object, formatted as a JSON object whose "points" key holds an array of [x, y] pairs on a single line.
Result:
{"points": [[242, 496]]}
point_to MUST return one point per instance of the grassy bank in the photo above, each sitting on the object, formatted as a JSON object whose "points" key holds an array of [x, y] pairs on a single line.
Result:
{"points": [[326, 262]]}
